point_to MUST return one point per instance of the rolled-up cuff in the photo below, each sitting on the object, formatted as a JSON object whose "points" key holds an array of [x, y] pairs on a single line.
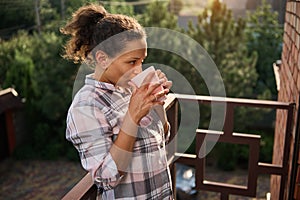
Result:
{"points": [[107, 175]]}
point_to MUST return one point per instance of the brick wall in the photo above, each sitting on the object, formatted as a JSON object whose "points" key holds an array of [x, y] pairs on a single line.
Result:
{"points": [[289, 92]]}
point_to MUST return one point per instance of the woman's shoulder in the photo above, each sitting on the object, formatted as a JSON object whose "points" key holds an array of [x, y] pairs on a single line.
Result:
{"points": [[87, 95]]}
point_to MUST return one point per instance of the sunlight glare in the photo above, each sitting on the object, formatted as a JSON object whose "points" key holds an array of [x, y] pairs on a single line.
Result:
{"points": [[188, 174]]}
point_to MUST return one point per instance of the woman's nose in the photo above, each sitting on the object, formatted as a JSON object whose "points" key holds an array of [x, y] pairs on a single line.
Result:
{"points": [[138, 69]]}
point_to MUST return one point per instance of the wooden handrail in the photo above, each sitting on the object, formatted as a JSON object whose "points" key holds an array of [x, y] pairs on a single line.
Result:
{"points": [[80, 189]]}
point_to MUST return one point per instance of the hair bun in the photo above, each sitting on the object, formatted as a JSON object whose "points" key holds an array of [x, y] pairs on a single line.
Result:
{"points": [[92, 13], [97, 17]]}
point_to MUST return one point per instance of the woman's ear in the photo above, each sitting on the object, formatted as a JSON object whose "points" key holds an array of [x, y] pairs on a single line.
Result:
{"points": [[102, 59]]}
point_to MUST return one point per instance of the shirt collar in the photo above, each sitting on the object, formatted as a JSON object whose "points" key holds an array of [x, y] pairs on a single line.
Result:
{"points": [[105, 86]]}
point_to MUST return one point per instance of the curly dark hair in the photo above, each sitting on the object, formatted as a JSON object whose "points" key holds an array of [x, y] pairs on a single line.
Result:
{"points": [[89, 28]]}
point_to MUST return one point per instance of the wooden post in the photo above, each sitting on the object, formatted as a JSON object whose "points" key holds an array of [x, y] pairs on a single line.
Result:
{"points": [[11, 138]]}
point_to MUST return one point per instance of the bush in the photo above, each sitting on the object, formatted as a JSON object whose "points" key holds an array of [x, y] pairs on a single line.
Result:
{"points": [[33, 65]]}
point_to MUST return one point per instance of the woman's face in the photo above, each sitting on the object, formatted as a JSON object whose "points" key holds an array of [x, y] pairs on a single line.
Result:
{"points": [[127, 64]]}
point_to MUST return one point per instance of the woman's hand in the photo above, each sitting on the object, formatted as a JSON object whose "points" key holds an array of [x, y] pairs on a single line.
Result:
{"points": [[144, 98], [167, 84]]}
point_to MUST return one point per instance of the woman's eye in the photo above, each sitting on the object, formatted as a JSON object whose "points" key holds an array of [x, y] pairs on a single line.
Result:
{"points": [[132, 62]]}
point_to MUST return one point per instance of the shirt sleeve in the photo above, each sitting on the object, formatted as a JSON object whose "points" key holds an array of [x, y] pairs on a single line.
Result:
{"points": [[91, 134]]}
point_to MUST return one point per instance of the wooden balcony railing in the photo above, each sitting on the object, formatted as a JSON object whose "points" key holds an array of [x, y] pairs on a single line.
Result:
{"points": [[255, 167], [85, 189]]}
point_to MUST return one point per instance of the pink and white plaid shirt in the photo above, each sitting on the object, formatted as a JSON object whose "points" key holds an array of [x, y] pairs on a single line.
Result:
{"points": [[93, 122]]}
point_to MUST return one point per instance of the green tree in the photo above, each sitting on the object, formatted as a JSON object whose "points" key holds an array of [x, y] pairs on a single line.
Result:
{"points": [[265, 37], [16, 15], [32, 64], [112, 6], [157, 15], [119, 7], [17, 67], [49, 16], [175, 6], [139, 6], [21, 15], [224, 39]]}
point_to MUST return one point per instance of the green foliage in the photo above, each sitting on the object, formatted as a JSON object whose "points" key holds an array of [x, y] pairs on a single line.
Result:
{"points": [[16, 15], [112, 6], [21, 67], [119, 8], [72, 6], [157, 15], [225, 40], [227, 156], [138, 6], [175, 6], [265, 37], [21, 15], [49, 16], [17, 67], [32, 64], [266, 150]]}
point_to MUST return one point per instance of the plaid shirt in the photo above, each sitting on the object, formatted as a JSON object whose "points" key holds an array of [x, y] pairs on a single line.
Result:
{"points": [[93, 122]]}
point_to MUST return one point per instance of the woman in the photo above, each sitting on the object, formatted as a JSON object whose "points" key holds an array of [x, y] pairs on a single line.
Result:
{"points": [[119, 129]]}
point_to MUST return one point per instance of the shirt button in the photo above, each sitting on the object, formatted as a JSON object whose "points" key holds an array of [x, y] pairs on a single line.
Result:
{"points": [[161, 145]]}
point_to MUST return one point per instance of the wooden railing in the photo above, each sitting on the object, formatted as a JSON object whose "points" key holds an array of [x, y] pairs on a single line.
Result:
{"points": [[85, 189], [255, 167]]}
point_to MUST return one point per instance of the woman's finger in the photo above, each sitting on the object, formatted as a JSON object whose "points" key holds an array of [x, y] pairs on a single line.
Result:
{"points": [[160, 74], [161, 95], [167, 84], [154, 86]]}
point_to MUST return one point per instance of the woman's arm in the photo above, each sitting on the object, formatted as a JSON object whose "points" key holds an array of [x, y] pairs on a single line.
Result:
{"points": [[122, 147], [142, 100]]}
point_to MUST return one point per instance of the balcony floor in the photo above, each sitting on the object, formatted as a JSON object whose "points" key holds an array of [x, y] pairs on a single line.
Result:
{"points": [[37, 179]]}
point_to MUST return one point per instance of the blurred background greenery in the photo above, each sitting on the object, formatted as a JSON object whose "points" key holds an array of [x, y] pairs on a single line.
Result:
{"points": [[243, 48]]}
